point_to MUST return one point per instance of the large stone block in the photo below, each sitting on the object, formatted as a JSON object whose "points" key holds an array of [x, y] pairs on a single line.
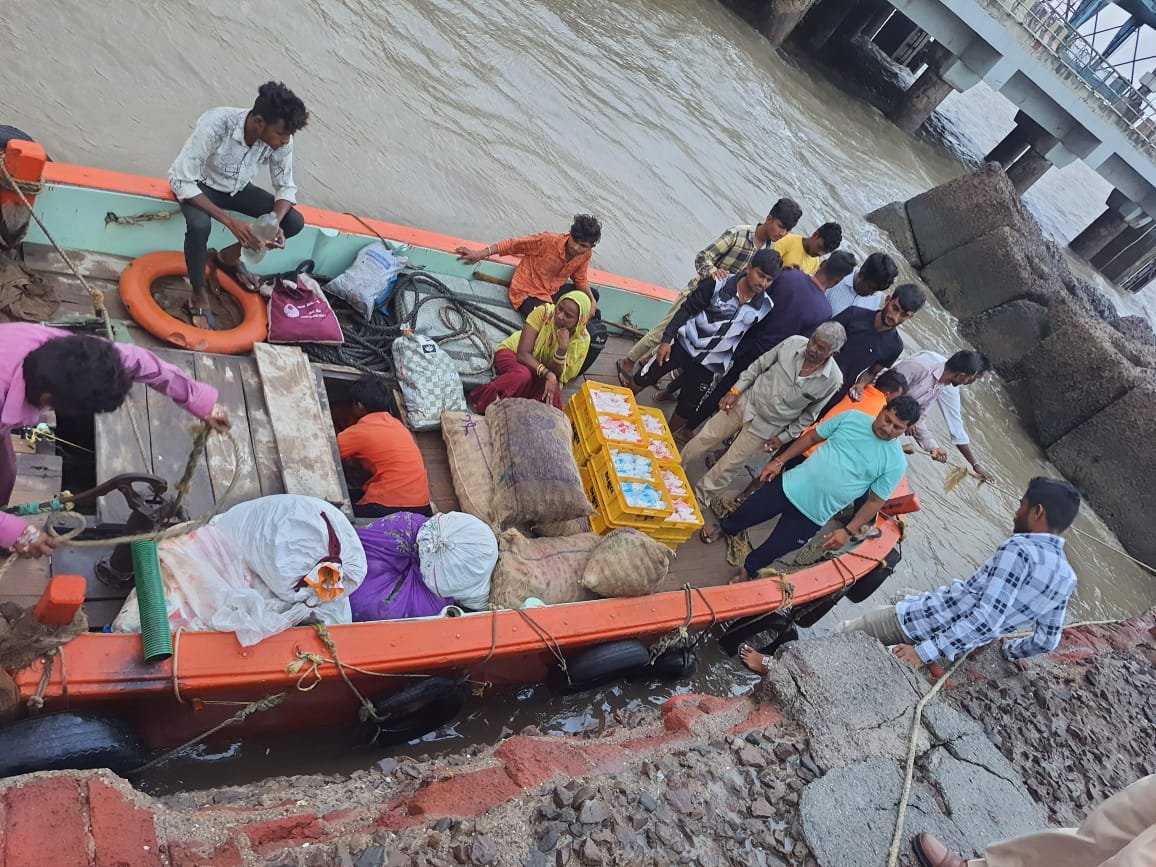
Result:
{"points": [[1074, 373], [892, 219], [989, 271], [1110, 458], [956, 213], [1007, 333], [1136, 329]]}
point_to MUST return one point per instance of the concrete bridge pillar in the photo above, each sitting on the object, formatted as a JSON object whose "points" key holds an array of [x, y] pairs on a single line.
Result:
{"points": [[825, 18], [861, 18], [926, 92], [1099, 232], [1010, 149], [1117, 246], [1139, 248], [781, 17], [1028, 169]]}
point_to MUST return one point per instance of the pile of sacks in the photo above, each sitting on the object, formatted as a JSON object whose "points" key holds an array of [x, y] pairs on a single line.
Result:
{"points": [[514, 469], [286, 560]]}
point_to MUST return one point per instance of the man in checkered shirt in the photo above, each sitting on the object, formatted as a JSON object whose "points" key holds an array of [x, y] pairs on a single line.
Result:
{"points": [[1025, 585]]}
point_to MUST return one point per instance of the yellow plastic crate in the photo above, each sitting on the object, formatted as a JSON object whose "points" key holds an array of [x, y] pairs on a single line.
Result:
{"points": [[661, 443], [619, 496], [608, 430], [680, 492], [594, 399]]}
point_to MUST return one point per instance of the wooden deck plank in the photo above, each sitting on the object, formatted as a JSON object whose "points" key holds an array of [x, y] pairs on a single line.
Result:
{"points": [[301, 432], [265, 454], [97, 266], [74, 298], [37, 479], [117, 450], [327, 417], [224, 373], [172, 440]]}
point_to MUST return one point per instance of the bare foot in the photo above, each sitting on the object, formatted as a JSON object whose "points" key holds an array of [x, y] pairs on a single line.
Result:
{"points": [[664, 396], [740, 578], [754, 660]]}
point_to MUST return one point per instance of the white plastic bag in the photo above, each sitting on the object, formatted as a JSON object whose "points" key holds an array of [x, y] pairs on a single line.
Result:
{"points": [[284, 538], [208, 588], [369, 280], [458, 553], [429, 381]]}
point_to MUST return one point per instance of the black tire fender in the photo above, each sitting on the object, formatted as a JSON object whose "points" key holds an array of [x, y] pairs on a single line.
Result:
{"points": [[598, 666], [69, 742], [417, 710], [739, 631], [676, 663], [873, 580]]}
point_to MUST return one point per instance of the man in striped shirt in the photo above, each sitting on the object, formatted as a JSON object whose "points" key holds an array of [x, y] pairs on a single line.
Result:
{"points": [[1025, 584], [729, 254]]}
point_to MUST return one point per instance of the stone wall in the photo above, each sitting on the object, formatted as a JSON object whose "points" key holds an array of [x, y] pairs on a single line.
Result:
{"points": [[1083, 377]]}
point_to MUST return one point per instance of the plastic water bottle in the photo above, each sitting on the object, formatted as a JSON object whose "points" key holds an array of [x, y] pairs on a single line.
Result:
{"points": [[265, 229]]}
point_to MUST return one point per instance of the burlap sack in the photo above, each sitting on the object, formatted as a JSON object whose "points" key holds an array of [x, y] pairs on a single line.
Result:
{"points": [[546, 569], [626, 563], [470, 453], [563, 528], [535, 477]]}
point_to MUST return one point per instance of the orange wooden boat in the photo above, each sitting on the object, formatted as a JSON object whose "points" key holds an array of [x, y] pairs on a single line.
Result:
{"points": [[90, 213]]}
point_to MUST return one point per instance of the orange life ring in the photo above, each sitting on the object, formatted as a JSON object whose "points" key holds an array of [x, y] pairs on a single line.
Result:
{"points": [[136, 292]]}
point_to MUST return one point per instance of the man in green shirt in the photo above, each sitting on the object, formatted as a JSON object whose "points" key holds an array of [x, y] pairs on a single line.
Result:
{"points": [[730, 253], [860, 455]]}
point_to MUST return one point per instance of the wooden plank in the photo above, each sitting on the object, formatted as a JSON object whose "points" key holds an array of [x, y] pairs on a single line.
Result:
{"points": [[37, 479], [98, 266], [327, 417], [224, 373], [172, 440], [301, 431], [117, 451], [265, 454], [74, 298]]}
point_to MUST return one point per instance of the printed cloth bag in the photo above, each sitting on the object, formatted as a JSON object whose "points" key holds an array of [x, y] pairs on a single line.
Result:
{"points": [[300, 313], [429, 381]]}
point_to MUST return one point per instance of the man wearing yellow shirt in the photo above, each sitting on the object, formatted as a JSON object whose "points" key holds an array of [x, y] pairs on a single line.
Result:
{"points": [[805, 253]]}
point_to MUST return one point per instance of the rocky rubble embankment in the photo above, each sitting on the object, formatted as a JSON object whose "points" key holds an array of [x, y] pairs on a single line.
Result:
{"points": [[806, 773], [1082, 376]]}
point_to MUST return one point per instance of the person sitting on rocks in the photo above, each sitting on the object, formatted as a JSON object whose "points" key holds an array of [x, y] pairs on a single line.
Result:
{"points": [[860, 455], [772, 403], [701, 337], [1025, 584], [864, 287], [537, 361], [1121, 832], [806, 253], [931, 378], [799, 306], [379, 446], [729, 254]]}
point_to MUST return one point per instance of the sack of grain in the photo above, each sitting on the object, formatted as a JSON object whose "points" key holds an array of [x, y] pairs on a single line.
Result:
{"points": [[470, 453], [626, 563], [563, 528], [535, 477], [545, 569]]}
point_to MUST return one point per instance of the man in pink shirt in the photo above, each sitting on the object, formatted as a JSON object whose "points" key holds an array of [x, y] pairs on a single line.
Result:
{"points": [[48, 368]]}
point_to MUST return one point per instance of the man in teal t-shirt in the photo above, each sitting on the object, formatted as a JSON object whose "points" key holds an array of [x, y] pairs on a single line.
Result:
{"points": [[859, 455]]}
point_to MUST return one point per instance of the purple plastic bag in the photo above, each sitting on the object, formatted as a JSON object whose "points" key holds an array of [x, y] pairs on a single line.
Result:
{"points": [[393, 588]]}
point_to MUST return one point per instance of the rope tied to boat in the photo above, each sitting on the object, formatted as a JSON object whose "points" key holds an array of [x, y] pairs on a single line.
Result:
{"points": [[549, 640], [27, 188], [681, 635]]}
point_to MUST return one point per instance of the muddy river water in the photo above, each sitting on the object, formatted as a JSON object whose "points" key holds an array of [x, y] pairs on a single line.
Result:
{"points": [[671, 120]]}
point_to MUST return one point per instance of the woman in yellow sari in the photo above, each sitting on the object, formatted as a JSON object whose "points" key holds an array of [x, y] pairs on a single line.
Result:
{"points": [[541, 358]]}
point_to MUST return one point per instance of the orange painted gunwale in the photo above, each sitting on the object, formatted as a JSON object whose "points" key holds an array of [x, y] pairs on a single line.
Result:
{"points": [[67, 174]]}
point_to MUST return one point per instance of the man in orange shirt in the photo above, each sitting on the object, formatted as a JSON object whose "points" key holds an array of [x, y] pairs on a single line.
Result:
{"points": [[890, 384], [549, 260], [380, 446]]}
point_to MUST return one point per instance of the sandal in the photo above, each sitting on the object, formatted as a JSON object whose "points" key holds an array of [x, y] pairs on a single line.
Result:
{"points": [[202, 313], [245, 278], [625, 378]]}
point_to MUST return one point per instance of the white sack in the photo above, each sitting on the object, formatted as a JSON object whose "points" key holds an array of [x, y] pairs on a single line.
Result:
{"points": [[458, 553], [369, 279]]}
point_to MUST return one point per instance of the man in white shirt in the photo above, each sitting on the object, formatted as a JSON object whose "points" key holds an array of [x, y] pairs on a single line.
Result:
{"points": [[213, 175], [931, 378], [865, 286]]}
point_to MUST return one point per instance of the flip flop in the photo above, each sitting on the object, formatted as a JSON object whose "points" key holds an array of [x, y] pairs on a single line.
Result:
{"points": [[203, 312], [245, 278], [625, 379]]}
